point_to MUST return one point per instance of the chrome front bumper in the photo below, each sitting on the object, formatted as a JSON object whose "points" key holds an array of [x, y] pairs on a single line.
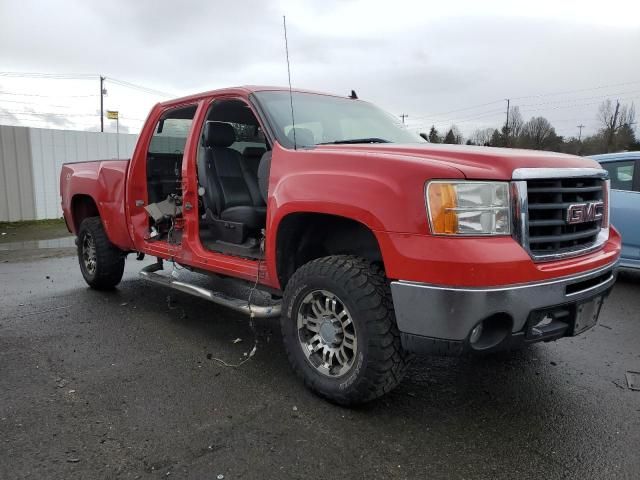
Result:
{"points": [[448, 313]]}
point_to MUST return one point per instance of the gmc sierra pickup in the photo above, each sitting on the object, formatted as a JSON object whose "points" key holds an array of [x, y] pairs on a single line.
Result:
{"points": [[374, 244]]}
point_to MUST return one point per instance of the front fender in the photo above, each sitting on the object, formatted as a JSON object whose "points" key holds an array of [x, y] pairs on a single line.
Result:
{"points": [[383, 192]]}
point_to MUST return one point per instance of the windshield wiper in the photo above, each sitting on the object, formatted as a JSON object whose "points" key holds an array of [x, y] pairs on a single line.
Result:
{"points": [[356, 140]]}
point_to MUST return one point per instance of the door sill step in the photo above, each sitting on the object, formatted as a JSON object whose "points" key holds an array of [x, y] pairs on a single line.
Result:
{"points": [[149, 274]]}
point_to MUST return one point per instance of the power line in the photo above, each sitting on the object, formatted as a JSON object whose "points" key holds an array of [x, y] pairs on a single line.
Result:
{"points": [[49, 123], [52, 76], [59, 114], [2, 100], [133, 118], [46, 122], [472, 107], [580, 98], [577, 91], [574, 120], [46, 96], [526, 109], [139, 87], [466, 119], [577, 105], [457, 110], [58, 76], [83, 76], [50, 114], [495, 113]]}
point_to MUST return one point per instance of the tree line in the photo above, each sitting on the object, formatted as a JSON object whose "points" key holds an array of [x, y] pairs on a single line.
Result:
{"points": [[616, 133]]}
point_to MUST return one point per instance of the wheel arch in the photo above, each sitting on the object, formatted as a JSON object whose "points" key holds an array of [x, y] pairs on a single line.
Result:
{"points": [[82, 206], [305, 236]]}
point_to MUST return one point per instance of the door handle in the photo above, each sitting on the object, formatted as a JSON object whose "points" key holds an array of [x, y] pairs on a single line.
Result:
{"points": [[188, 206], [139, 203]]}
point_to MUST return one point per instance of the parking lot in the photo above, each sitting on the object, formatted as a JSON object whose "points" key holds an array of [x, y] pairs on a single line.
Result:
{"points": [[126, 385]]}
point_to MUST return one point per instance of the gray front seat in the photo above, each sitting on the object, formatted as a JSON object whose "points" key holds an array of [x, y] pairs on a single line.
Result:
{"points": [[231, 189]]}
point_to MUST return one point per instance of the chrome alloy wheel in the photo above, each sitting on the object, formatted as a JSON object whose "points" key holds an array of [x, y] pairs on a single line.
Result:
{"points": [[89, 256], [326, 333]]}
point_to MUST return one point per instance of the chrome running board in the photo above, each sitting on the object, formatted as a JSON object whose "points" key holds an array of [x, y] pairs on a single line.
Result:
{"points": [[149, 274]]}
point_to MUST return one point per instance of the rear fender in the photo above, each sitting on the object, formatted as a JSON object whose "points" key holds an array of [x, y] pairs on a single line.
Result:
{"points": [[91, 188]]}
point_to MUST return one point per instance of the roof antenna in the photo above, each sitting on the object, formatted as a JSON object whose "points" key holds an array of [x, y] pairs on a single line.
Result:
{"points": [[353, 95], [286, 47]]}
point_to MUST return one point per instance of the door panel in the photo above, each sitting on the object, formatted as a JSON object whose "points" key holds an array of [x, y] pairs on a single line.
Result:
{"points": [[154, 175], [625, 204], [625, 216]]}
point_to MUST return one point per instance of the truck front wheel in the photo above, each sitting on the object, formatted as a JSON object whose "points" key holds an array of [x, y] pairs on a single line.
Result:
{"points": [[340, 331], [101, 263]]}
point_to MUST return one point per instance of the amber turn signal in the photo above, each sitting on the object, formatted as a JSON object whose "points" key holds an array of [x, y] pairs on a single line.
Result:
{"points": [[442, 204]]}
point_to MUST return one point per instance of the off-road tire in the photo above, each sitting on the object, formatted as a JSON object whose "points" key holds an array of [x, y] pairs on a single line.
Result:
{"points": [[380, 361], [109, 259]]}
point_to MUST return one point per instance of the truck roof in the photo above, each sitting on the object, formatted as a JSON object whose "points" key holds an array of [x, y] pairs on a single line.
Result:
{"points": [[243, 90], [612, 157]]}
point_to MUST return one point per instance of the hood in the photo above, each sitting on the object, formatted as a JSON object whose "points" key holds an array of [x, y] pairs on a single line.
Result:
{"points": [[479, 163]]}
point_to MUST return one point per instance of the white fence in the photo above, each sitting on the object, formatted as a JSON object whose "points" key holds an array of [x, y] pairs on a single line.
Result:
{"points": [[31, 160]]}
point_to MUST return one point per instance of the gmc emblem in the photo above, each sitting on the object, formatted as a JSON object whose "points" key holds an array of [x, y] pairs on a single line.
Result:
{"points": [[585, 212]]}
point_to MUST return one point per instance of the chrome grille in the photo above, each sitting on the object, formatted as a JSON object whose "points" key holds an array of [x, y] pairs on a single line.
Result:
{"points": [[547, 202]]}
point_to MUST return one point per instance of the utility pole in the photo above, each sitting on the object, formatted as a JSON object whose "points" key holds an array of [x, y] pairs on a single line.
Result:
{"points": [[612, 127], [102, 91], [580, 132], [506, 125], [403, 116]]}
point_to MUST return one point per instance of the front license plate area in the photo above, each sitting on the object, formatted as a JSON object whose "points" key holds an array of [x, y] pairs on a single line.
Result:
{"points": [[587, 314]]}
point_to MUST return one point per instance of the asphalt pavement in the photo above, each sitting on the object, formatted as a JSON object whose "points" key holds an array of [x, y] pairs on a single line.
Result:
{"points": [[126, 384]]}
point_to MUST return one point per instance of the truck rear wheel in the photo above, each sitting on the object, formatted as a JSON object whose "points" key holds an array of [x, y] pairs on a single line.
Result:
{"points": [[101, 262], [340, 331]]}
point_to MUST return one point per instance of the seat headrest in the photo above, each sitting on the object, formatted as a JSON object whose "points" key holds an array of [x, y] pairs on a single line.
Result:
{"points": [[253, 151], [218, 134], [304, 137]]}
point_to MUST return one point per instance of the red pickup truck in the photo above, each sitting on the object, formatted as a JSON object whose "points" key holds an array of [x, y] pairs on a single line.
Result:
{"points": [[373, 243]]}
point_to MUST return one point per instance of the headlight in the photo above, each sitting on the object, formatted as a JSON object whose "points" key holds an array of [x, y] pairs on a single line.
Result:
{"points": [[468, 208]]}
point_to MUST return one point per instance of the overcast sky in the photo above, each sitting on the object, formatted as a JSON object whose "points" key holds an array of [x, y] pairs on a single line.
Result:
{"points": [[421, 58]]}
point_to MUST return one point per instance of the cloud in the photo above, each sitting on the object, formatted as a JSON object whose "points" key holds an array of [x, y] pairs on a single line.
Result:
{"points": [[418, 58], [55, 120], [31, 117]]}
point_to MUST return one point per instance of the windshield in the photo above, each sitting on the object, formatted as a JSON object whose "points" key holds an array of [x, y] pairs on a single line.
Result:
{"points": [[323, 119]]}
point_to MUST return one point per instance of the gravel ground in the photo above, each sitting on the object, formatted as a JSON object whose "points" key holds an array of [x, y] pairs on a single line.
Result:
{"points": [[125, 385]]}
